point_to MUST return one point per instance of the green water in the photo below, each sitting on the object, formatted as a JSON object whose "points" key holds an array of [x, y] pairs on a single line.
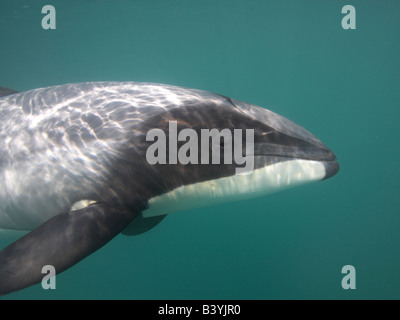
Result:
{"points": [[292, 57]]}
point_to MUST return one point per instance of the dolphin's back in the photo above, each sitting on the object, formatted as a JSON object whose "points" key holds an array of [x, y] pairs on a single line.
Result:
{"points": [[80, 114]]}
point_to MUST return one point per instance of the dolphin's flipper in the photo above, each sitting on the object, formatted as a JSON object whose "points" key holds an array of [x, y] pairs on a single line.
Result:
{"points": [[61, 241], [6, 92], [140, 225]]}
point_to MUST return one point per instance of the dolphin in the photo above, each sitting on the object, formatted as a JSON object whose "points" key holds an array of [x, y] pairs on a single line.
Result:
{"points": [[74, 171]]}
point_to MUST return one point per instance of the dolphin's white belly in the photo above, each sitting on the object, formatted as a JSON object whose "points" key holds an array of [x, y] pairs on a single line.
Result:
{"points": [[259, 182]]}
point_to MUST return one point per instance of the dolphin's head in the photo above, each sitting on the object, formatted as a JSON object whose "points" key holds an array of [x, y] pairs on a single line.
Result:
{"points": [[266, 153], [277, 139]]}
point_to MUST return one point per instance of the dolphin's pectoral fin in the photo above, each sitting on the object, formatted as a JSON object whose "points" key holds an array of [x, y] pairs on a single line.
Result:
{"points": [[62, 241], [140, 225], [6, 92]]}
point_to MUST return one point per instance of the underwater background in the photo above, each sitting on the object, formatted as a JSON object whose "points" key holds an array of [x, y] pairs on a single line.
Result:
{"points": [[292, 57]]}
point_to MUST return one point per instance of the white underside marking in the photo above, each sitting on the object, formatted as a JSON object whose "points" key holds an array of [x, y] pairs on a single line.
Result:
{"points": [[261, 181]]}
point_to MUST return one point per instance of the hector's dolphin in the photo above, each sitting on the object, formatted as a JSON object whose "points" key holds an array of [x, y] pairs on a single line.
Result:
{"points": [[74, 166]]}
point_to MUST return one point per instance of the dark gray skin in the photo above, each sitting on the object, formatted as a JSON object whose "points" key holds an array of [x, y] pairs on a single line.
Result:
{"points": [[105, 124]]}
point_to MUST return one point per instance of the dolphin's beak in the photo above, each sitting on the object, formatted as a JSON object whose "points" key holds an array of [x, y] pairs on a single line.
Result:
{"points": [[290, 148]]}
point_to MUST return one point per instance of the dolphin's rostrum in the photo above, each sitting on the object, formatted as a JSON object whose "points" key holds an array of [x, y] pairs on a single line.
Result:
{"points": [[73, 166]]}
